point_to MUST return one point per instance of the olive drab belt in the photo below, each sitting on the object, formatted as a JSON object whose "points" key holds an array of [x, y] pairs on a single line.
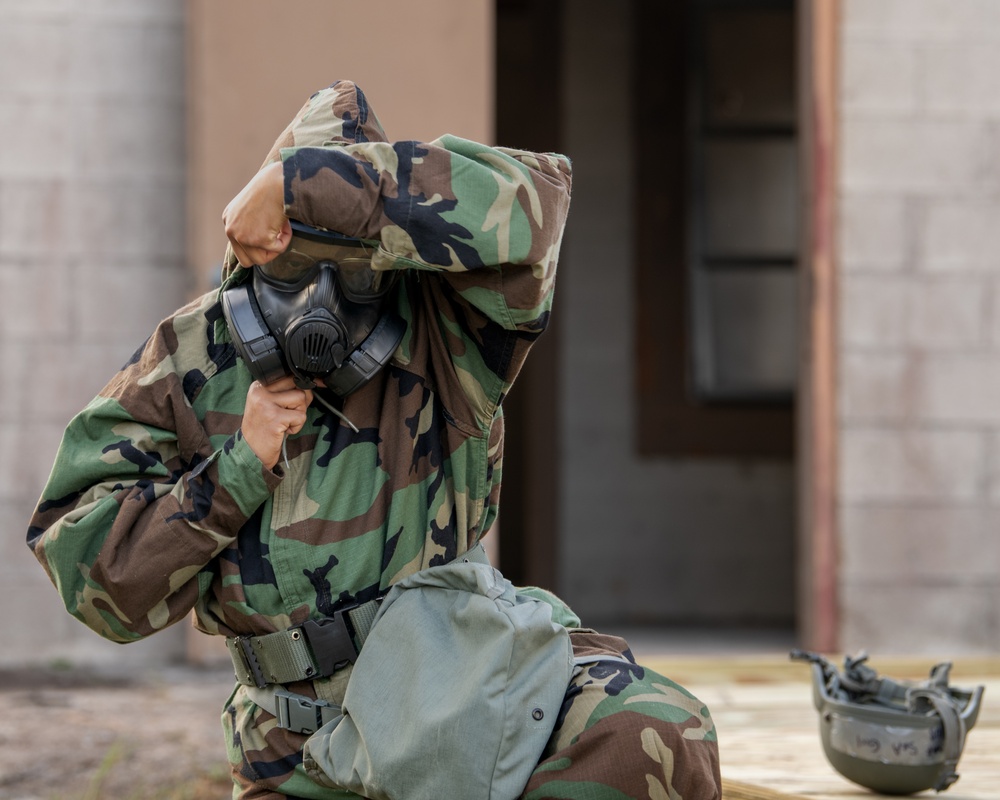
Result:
{"points": [[314, 649]]}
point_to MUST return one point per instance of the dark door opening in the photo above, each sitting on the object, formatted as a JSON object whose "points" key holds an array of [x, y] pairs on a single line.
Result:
{"points": [[528, 115]]}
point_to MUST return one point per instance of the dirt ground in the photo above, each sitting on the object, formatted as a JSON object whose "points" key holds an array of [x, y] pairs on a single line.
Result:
{"points": [[85, 736]]}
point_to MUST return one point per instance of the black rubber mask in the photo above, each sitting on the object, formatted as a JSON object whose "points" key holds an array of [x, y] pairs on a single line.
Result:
{"points": [[317, 313]]}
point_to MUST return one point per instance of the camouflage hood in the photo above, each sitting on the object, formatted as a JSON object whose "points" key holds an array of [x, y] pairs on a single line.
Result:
{"points": [[337, 115]]}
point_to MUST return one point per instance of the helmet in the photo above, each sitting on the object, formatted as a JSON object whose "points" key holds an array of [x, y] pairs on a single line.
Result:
{"points": [[893, 737]]}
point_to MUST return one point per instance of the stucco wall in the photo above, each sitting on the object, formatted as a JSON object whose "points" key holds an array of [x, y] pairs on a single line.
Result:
{"points": [[920, 326], [428, 70]]}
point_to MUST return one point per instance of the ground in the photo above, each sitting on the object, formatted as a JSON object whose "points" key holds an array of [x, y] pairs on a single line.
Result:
{"points": [[75, 735]]}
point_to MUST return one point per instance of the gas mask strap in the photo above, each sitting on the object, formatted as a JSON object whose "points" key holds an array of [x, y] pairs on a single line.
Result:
{"points": [[336, 411]]}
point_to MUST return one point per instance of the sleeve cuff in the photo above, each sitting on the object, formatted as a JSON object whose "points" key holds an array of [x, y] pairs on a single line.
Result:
{"points": [[244, 476]]}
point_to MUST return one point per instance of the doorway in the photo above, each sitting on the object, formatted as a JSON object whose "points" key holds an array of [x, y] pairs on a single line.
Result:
{"points": [[650, 472]]}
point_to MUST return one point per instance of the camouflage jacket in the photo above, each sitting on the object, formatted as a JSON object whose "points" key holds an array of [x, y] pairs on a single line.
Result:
{"points": [[156, 505]]}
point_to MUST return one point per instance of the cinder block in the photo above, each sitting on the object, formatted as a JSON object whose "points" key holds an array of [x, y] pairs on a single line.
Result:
{"points": [[876, 387], [33, 227], [121, 302], [36, 300], [29, 449], [39, 10], [152, 10], [922, 20], [879, 77], [139, 58], [16, 562], [947, 314], [961, 79], [873, 311], [151, 134], [920, 543], [959, 235], [136, 218], [908, 464], [994, 315], [168, 11], [923, 156], [55, 379], [37, 139], [874, 232], [959, 389], [941, 620], [993, 465], [901, 311], [34, 48]]}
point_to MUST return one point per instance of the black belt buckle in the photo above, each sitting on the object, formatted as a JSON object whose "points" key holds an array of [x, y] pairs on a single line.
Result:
{"points": [[331, 642], [301, 714], [250, 660]]}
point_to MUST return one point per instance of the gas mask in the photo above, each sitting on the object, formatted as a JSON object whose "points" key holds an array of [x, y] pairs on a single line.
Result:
{"points": [[316, 312]]}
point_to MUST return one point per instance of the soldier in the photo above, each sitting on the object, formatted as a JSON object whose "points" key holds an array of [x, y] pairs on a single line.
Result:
{"points": [[279, 488]]}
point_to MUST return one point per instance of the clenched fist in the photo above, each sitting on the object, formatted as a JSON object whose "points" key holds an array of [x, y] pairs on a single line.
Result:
{"points": [[255, 219], [273, 411]]}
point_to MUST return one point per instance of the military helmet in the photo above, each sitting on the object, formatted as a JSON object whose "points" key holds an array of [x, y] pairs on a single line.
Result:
{"points": [[894, 737]]}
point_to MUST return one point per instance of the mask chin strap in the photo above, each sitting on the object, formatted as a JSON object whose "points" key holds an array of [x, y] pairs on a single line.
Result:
{"points": [[336, 411], [307, 383], [331, 408]]}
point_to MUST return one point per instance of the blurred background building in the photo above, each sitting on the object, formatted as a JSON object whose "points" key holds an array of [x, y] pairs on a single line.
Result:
{"points": [[770, 398]]}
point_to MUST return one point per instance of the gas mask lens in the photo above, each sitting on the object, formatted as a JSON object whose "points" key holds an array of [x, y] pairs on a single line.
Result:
{"points": [[302, 254], [351, 259], [360, 282]]}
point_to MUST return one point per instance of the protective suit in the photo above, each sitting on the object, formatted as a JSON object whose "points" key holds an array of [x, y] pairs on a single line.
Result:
{"points": [[157, 505]]}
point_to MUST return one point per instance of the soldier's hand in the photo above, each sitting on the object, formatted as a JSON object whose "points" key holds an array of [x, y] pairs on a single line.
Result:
{"points": [[255, 219], [271, 412]]}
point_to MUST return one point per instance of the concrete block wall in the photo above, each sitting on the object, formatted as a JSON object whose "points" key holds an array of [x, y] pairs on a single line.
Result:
{"points": [[920, 326], [92, 256]]}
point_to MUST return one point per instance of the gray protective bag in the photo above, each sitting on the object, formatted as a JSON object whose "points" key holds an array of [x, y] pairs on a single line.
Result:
{"points": [[454, 694]]}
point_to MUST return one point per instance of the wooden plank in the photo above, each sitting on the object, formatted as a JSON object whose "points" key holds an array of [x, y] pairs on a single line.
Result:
{"points": [[736, 790]]}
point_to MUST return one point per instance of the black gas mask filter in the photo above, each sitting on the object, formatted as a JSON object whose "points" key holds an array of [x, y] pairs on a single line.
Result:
{"points": [[316, 312]]}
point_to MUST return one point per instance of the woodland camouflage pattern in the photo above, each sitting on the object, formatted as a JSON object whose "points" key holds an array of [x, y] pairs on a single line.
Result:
{"points": [[156, 505]]}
